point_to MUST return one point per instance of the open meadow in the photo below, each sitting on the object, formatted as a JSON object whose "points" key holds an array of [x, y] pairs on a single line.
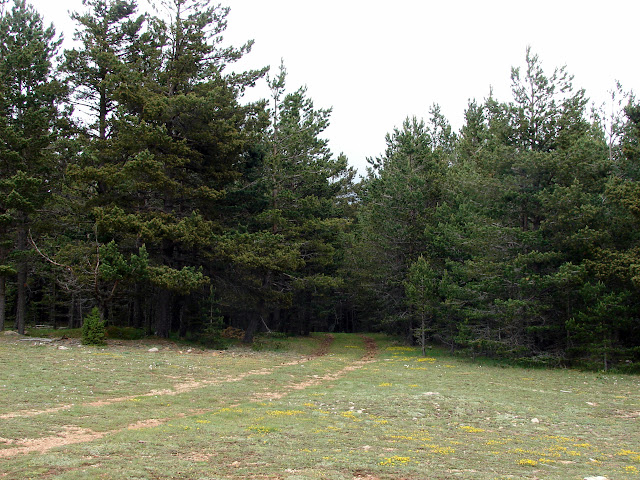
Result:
{"points": [[331, 406]]}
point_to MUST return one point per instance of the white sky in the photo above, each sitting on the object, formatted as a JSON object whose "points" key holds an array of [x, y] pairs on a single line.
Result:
{"points": [[378, 62]]}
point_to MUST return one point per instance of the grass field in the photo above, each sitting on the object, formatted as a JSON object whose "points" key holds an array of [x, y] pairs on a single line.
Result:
{"points": [[324, 407]]}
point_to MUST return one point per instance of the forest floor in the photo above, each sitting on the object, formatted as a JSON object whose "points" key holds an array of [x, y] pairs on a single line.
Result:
{"points": [[329, 406]]}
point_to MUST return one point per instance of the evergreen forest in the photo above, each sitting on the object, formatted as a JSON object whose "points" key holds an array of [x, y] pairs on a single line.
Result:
{"points": [[135, 178]]}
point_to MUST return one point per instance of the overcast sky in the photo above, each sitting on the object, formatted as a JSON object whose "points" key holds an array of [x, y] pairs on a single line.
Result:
{"points": [[375, 63]]}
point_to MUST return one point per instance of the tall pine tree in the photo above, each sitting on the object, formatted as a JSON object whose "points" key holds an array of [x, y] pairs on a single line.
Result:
{"points": [[30, 97]]}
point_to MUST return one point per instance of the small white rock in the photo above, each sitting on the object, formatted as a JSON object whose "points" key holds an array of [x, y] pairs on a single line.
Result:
{"points": [[154, 349], [535, 420], [62, 347], [596, 478]]}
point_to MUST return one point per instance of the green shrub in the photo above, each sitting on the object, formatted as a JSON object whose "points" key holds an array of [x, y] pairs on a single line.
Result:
{"points": [[212, 337], [269, 341], [54, 332], [93, 331], [124, 333]]}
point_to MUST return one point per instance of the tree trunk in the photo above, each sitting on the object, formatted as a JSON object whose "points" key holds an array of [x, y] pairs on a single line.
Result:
{"points": [[423, 339], [3, 301], [103, 106], [183, 324], [136, 314], [21, 299], [52, 306], [163, 315], [250, 332], [305, 328], [276, 319], [80, 314], [147, 315], [255, 322], [72, 310], [262, 311]]}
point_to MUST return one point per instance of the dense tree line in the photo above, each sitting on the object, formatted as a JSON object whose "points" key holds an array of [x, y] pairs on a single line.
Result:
{"points": [[517, 236], [135, 178]]}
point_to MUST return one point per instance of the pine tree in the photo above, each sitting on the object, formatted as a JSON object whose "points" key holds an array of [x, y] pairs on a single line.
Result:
{"points": [[289, 255], [528, 211], [175, 138], [30, 97], [109, 35], [422, 292], [399, 198]]}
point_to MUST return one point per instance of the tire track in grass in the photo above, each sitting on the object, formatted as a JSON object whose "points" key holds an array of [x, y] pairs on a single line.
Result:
{"points": [[371, 350], [68, 436], [73, 434], [179, 388]]}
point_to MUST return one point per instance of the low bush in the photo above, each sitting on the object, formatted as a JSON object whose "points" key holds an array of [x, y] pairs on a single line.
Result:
{"points": [[124, 333], [93, 329], [269, 341], [212, 337], [233, 333]]}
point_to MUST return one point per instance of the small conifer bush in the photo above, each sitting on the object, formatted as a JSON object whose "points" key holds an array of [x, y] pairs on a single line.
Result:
{"points": [[93, 330]]}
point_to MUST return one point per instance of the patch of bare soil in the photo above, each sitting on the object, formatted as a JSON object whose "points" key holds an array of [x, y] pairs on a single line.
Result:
{"points": [[371, 348], [361, 475], [199, 457], [626, 414], [32, 413], [150, 423], [68, 436]]}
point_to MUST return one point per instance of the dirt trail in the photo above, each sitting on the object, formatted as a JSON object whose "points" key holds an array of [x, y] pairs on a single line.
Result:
{"points": [[371, 350], [324, 346], [69, 436], [72, 434], [179, 388]]}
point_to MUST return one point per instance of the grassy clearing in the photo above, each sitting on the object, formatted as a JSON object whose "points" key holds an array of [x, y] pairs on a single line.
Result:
{"points": [[125, 413]]}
